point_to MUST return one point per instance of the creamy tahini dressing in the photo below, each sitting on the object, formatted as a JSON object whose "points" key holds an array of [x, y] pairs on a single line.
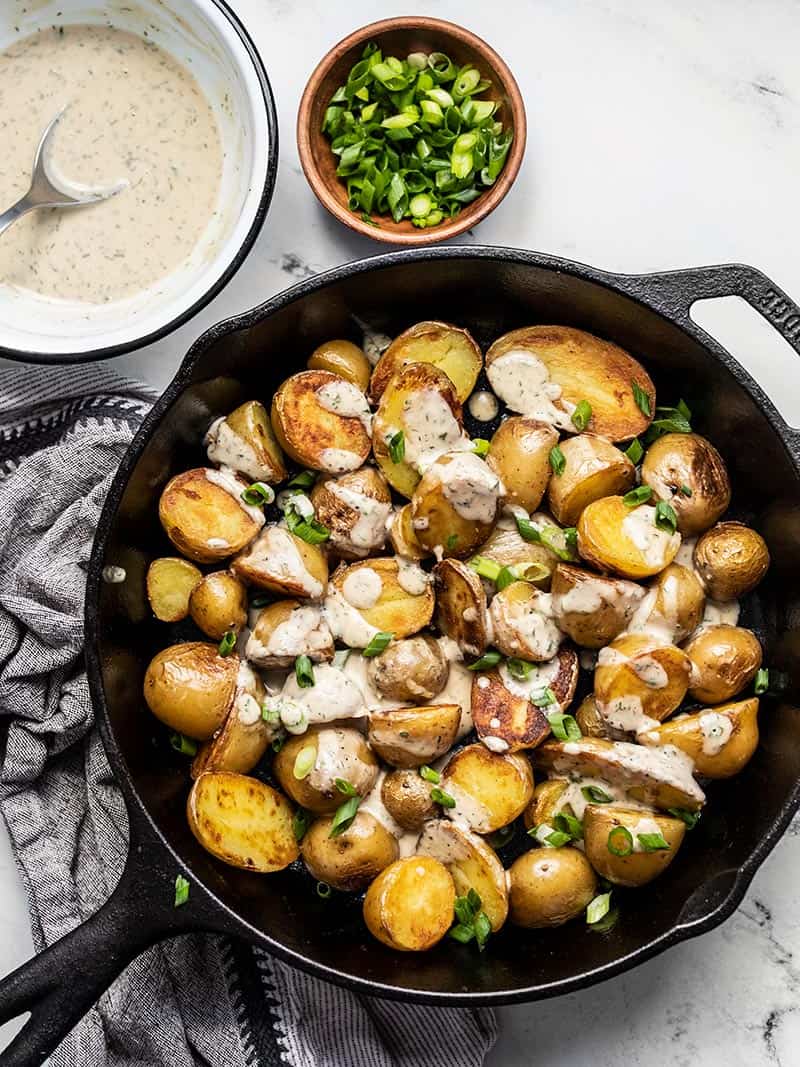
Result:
{"points": [[343, 398], [373, 804], [368, 532], [346, 622], [430, 429], [411, 577], [275, 555], [470, 485], [540, 678], [531, 623], [522, 381], [483, 406], [339, 460], [716, 730], [135, 116], [226, 479], [304, 633], [658, 547], [636, 764], [332, 696], [362, 587], [228, 449], [458, 688]]}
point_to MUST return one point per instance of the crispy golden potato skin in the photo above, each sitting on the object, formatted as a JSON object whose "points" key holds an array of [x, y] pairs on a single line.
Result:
{"points": [[204, 521], [449, 348], [254, 564], [691, 734], [461, 606], [591, 609], [545, 803], [680, 461], [590, 721], [409, 906], [250, 422], [404, 540], [499, 786], [472, 864], [414, 669], [679, 601], [218, 604], [437, 524], [396, 611], [342, 519], [731, 560], [549, 886], [409, 737], [407, 798], [306, 430], [242, 821], [241, 742], [353, 760], [354, 858], [724, 661], [630, 666], [587, 368], [593, 469], [342, 358], [603, 541], [189, 687], [170, 581], [519, 454], [638, 868]]}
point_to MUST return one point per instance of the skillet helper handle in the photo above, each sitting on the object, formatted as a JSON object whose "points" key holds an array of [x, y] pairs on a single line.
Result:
{"points": [[60, 985], [674, 292]]}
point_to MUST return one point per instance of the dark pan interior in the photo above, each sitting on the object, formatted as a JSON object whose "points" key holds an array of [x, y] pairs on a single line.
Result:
{"points": [[489, 294]]}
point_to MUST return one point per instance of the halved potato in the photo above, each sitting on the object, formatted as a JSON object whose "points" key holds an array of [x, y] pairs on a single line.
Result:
{"points": [[170, 581], [461, 611], [549, 886], [731, 560], [284, 564], [287, 629], [404, 540], [662, 777], [342, 358], [545, 804], [522, 623], [409, 906], [419, 388], [720, 740], [724, 661], [673, 605], [687, 471], [353, 858], [355, 508], [409, 737], [519, 454], [242, 821], [245, 442], [584, 367], [245, 735], [414, 669], [591, 722], [190, 687], [614, 537], [455, 504], [204, 516], [326, 753], [591, 609], [447, 347], [472, 865], [593, 469], [316, 435], [639, 679], [388, 606], [407, 798], [490, 789], [533, 561], [219, 604], [640, 866]]}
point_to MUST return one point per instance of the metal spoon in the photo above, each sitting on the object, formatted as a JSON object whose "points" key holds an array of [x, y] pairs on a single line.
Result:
{"points": [[48, 190]]}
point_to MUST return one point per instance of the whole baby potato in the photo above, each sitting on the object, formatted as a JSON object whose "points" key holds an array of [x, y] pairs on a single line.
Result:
{"points": [[549, 886], [519, 454], [724, 661], [414, 669], [342, 358], [407, 798], [731, 560], [353, 858], [687, 471], [219, 603], [190, 688], [308, 765]]}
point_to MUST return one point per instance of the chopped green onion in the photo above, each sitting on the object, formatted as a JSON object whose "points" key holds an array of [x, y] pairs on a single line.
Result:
{"points": [[549, 537], [303, 480], [685, 490], [345, 788], [258, 494], [568, 824], [557, 460], [486, 568], [344, 816], [605, 924], [595, 795], [581, 415], [304, 672], [505, 578], [429, 774], [270, 715], [438, 796], [519, 668], [640, 495], [690, 818], [480, 446], [483, 929], [634, 451], [761, 683], [340, 657], [555, 839], [185, 745], [181, 891], [461, 932], [488, 659], [620, 841], [228, 643], [308, 530], [397, 447], [377, 645], [278, 743], [304, 762], [653, 842], [301, 820], [665, 517], [642, 399], [564, 727], [545, 698], [598, 908], [452, 541], [323, 890]]}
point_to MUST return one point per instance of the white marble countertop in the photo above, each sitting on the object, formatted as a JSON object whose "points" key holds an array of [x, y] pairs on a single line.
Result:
{"points": [[660, 136]]}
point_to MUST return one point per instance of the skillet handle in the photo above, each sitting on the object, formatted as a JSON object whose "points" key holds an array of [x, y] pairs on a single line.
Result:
{"points": [[674, 292], [60, 985]]}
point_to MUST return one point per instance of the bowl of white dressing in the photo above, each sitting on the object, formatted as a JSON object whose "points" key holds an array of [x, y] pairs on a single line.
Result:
{"points": [[169, 100]]}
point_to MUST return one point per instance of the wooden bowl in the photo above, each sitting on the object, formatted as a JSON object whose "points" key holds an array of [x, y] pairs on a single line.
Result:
{"points": [[399, 37]]}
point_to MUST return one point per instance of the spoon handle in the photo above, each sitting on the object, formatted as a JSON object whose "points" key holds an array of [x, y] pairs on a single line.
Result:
{"points": [[16, 211]]}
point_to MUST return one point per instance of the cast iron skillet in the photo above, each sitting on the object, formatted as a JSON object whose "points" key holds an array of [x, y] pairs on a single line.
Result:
{"points": [[490, 291]]}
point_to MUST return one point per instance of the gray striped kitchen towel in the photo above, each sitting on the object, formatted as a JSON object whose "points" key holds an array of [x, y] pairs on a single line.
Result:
{"points": [[194, 1000]]}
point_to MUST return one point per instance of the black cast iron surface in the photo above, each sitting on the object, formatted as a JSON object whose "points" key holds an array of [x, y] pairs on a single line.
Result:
{"points": [[489, 291]]}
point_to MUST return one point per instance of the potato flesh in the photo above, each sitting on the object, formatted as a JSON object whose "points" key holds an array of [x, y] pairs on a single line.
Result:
{"points": [[395, 610], [593, 469], [409, 906], [170, 582], [638, 680], [472, 864], [409, 737], [461, 606], [591, 609], [203, 516], [490, 789], [245, 442], [448, 348], [623, 540]]}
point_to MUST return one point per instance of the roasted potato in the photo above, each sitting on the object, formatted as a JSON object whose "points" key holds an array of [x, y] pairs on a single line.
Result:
{"points": [[614, 537], [354, 858], [639, 679], [415, 400], [409, 906], [413, 670], [593, 469], [219, 604], [244, 737], [245, 442], [242, 821], [455, 504], [591, 722], [522, 623], [342, 358], [449, 348], [724, 661], [490, 789], [401, 534], [461, 611], [687, 471], [409, 737], [545, 804], [322, 421], [376, 591], [285, 630], [407, 798], [170, 581], [720, 740], [308, 765], [583, 367], [355, 508], [731, 560], [533, 561], [673, 606], [662, 778], [204, 516], [284, 564], [472, 864], [519, 454], [590, 609], [189, 687], [549, 886], [641, 864]]}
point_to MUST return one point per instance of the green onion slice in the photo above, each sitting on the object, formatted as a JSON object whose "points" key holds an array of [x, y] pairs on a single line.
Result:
{"points": [[595, 795], [397, 447], [462, 933], [480, 446], [545, 699], [278, 743], [308, 530], [258, 494], [185, 745], [438, 796], [564, 727], [323, 890], [181, 891], [620, 841], [345, 788], [652, 842], [304, 672], [557, 460], [761, 683], [301, 820], [581, 415], [567, 823], [452, 541], [598, 908], [608, 922], [486, 568], [685, 490], [519, 668], [270, 715], [642, 399], [227, 644], [665, 517], [488, 659], [690, 818], [344, 816], [429, 774], [377, 644], [640, 495], [303, 480], [634, 451], [505, 578], [304, 762]]}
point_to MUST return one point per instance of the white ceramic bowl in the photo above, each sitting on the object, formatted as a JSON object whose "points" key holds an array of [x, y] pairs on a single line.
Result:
{"points": [[207, 37]]}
